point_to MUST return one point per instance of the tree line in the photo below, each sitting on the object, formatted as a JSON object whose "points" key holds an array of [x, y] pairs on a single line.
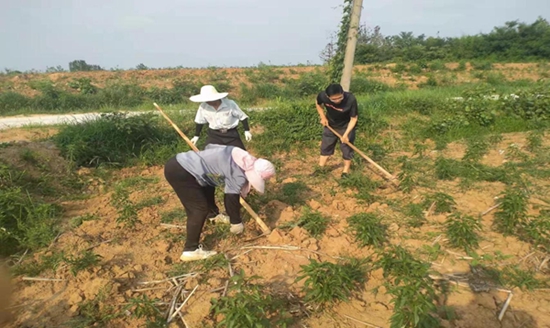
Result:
{"points": [[514, 42]]}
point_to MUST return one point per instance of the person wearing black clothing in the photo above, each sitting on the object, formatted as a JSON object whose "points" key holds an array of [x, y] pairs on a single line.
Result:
{"points": [[341, 115]]}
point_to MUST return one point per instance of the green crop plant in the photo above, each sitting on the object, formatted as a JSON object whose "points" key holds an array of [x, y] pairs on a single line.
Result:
{"points": [[313, 222], [534, 140], [513, 276], [326, 282], [415, 215], [86, 260], [368, 229], [512, 211], [462, 231], [477, 148], [397, 262], [144, 307], [248, 304], [127, 210], [406, 177], [442, 202]]}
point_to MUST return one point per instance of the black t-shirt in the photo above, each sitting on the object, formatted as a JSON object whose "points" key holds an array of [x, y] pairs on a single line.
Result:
{"points": [[339, 115]]}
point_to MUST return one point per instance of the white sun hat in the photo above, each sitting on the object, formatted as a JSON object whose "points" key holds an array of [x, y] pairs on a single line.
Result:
{"points": [[208, 93]]}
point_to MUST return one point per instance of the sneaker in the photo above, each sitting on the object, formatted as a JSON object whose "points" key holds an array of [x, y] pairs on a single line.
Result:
{"points": [[220, 218], [198, 254], [237, 228], [320, 171], [345, 175]]}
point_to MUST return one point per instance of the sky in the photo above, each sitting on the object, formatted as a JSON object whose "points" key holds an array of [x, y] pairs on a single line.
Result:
{"points": [[36, 34]]}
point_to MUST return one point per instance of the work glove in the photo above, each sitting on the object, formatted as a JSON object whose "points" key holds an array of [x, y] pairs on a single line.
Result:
{"points": [[237, 228], [248, 135], [194, 140]]}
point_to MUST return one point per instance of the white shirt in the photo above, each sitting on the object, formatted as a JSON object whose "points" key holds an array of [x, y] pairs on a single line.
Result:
{"points": [[227, 116]]}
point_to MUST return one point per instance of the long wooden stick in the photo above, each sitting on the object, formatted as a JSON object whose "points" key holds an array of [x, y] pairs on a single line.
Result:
{"points": [[387, 174], [259, 221]]}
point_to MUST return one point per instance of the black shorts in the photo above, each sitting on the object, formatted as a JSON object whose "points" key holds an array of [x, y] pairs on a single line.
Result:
{"points": [[229, 138], [329, 140]]}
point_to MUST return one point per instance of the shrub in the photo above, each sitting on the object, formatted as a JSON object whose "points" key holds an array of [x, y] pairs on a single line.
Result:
{"points": [[114, 139]]}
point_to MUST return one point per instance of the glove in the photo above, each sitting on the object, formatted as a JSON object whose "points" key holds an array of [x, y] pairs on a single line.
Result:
{"points": [[248, 135], [194, 140], [237, 228]]}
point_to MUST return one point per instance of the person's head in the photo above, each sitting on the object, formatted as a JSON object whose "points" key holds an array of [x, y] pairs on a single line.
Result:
{"points": [[214, 103], [257, 170], [335, 93]]}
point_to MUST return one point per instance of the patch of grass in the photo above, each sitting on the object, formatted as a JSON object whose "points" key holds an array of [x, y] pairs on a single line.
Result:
{"points": [[94, 312], [462, 231], [362, 183], [248, 304], [77, 221], [326, 283], [157, 200], [449, 169], [513, 276], [512, 211], [115, 139], [177, 214], [293, 193], [368, 229]]}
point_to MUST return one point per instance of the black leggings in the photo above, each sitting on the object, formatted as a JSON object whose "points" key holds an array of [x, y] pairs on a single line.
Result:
{"points": [[199, 202]]}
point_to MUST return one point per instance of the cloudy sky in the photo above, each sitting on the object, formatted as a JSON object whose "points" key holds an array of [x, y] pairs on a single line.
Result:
{"points": [[199, 33]]}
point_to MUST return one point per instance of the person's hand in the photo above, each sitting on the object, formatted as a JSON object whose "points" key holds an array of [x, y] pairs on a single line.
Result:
{"points": [[194, 140], [248, 135], [344, 139], [324, 121]]}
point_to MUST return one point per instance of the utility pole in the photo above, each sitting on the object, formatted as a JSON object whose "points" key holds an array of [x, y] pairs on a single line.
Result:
{"points": [[352, 42]]}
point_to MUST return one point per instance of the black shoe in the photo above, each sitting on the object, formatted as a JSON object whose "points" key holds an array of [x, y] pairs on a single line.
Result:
{"points": [[345, 175]]}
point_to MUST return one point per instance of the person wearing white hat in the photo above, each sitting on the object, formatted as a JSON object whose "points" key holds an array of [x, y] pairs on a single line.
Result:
{"points": [[193, 175], [222, 115]]}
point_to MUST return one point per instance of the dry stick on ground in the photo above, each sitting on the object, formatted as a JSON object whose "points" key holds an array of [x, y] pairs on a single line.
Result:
{"points": [[386, 174], [173, 303], [230, 274], [181, 306], [259, 221], [42, 279], [100, 243], [490, 209], [361, 322], [166, 225], [506, 304], [290, 248], [187, 276]]}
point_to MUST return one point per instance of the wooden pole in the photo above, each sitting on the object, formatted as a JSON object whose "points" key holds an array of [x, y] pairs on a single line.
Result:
{"points": [[387, 175], [351, 44], [259, 221]]}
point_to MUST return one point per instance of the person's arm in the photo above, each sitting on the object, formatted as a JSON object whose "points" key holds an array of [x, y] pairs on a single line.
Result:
{"points": [[233, 208], [353, 113], [198, 129], [321, 112], [237, 112], [200, 121]]}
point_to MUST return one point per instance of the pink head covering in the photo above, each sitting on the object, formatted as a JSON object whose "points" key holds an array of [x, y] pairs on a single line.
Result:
{"points": [[257, 170]]}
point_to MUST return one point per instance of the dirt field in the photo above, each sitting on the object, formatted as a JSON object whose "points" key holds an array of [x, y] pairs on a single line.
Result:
{"points": [[151, 251], [22, 83]]}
